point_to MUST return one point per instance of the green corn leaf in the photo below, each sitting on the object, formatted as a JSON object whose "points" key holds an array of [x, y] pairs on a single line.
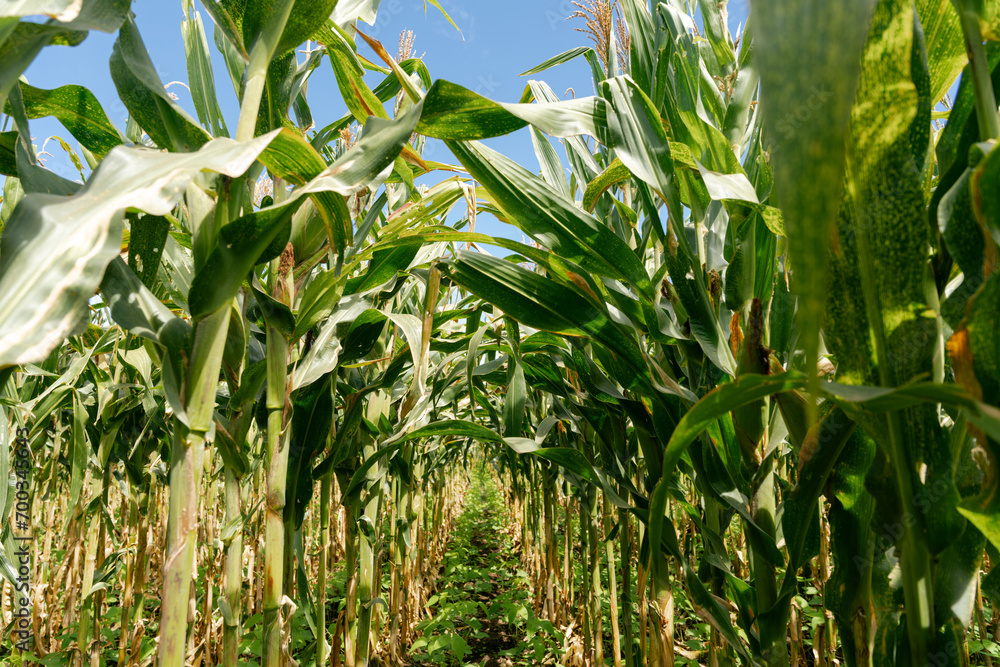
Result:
{"points": [[383, 267], [636, 133], [946, 53], [55, 249], [881, 241], [367, 160], [720, 401], [228, 25], [147, 101], [360, 475], [251, 380], [235, 458], [312, 417], [456, 428], [986, 202], [515, 399], [25, 42], [616, 173], [852, 546], [563, 57], [358, 97], [365, 331], [325, 353], [290, 157], [955, 586], [964, 236], [146, 241], [305, 19], [644, 51], [137, 310], [278, 95], [880, 399], [443, 13], [276, 314], [454, 113], [242, 244], [552, 169], [103, 15], [723, 487], [984, 343], [200, 76], [21, 41], [554, 221], [683, 108], [8, 156], [728, 187], [820, 453], [716, 32], [962, 131], [347, 12], [693, 296], [79, 112], [59, 10], [543, 304], [318, 300]]}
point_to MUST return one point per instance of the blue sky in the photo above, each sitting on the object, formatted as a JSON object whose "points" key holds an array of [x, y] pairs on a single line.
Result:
{"points": [[498, 41]]}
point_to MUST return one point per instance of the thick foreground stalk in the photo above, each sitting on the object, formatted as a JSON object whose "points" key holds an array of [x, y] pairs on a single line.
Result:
{"points": [[625, 534], [609, 549], [277, 472], [664, 595], [326, 484], [351, 569], [764, 572], [187, 452], [594, 562], [234, 574], [551, 564], [367, 580]]}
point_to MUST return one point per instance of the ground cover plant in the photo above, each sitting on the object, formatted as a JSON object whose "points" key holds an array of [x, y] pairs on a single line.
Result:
{"points": [[265, 400]]}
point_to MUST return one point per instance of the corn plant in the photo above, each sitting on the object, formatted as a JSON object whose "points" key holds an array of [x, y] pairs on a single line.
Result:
{"points": [[749, 354]]}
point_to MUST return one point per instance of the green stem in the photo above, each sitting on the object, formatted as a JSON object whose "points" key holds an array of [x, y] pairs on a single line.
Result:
{"points": [[256, 75], [915, 559]]}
